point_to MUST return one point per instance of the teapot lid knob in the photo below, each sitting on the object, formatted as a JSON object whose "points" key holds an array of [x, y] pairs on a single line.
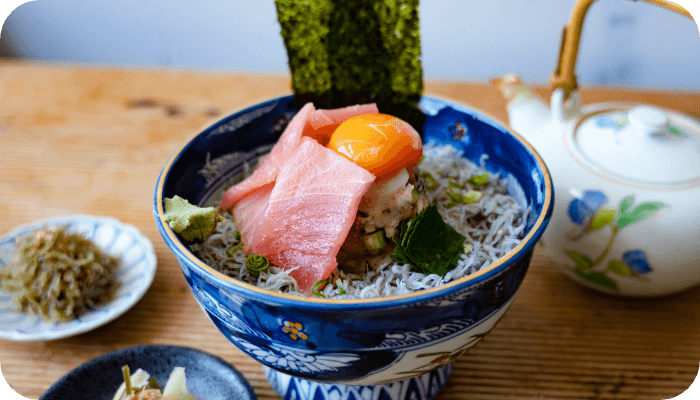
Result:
{"points": [[637, 144], [648, 120]]}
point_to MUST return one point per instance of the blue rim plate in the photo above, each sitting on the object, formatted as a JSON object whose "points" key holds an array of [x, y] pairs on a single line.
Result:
{"points": [[207, 376], [135, 275]]}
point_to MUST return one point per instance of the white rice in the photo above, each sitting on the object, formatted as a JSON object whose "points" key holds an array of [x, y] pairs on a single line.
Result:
{"points": [[493, 226]]}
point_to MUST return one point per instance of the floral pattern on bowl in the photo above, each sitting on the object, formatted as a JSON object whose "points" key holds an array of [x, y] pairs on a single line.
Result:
{"points": [[382, 343]]}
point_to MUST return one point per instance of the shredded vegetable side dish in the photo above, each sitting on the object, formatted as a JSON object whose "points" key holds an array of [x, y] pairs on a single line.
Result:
{"points": [[58, 274], [142, 386]]}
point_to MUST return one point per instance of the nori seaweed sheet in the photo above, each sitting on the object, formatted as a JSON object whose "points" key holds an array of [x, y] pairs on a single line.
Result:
{"points": [[344, 52]]}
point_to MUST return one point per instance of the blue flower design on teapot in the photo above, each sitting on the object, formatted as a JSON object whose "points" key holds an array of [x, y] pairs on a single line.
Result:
{"points": [[588, 213]]}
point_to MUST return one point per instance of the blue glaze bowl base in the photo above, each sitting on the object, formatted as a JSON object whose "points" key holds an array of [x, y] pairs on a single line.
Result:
{"points": [[421, 387]]}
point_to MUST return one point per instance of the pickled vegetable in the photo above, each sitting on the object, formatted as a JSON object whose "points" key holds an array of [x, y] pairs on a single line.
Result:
{"points": [[58, 274]]}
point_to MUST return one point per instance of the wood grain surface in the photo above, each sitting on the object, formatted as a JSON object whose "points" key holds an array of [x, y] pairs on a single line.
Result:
{"points": [[81, 139]]}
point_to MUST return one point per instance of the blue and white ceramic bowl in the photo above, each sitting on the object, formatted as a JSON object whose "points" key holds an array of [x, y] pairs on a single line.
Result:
{"points": [[388, 348], [135, 275]]}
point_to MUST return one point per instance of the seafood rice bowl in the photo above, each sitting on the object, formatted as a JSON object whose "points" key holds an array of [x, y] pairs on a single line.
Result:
{"points": [[373, 308]]}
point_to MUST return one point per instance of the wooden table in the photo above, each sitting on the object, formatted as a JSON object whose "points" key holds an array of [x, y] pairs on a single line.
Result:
{"points": [[77, 139]]}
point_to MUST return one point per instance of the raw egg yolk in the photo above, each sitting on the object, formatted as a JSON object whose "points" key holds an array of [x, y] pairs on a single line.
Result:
{"points": [[382, 144]]}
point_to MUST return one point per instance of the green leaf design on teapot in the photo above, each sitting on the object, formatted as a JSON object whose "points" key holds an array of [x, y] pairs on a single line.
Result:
{"points": [[588, 214]]}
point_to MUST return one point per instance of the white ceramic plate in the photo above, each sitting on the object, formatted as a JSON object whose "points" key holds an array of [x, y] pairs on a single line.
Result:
{"points": [[135, 275]]}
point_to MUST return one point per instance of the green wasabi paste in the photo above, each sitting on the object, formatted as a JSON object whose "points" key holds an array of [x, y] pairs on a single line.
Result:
{"points": [[193, 224]]}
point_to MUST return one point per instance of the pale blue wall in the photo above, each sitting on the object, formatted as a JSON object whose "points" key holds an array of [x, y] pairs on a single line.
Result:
{"points": [[624, 43]]}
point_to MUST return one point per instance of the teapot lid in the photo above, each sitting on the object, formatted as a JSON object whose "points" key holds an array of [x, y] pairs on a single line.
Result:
{"points": [[638, 144]]}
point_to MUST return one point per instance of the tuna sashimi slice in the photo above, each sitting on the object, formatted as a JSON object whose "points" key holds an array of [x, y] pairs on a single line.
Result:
{"points": [[310, 211], [313, 267], [322, 123], [269, 167], [249, 213], [339, 115]]}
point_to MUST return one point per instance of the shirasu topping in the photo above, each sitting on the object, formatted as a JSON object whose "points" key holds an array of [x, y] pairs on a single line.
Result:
{"points": [[493, 226]]}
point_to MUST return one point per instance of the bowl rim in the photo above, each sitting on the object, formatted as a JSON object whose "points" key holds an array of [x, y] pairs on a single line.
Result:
{"points": [[526, 243]]}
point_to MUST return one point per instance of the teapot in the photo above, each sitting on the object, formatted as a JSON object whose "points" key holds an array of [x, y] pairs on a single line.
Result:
{"points": [[626, 181]]}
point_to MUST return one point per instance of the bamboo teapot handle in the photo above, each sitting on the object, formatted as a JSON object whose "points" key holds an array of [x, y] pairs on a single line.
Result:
{"points": [[563, 76]]}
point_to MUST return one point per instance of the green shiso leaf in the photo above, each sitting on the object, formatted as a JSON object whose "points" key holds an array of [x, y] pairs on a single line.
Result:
{"points": [[342, 53], [428, 244], [191, 223]]}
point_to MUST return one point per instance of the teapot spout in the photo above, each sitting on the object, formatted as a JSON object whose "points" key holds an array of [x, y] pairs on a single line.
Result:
{"points": [[527, 111]]}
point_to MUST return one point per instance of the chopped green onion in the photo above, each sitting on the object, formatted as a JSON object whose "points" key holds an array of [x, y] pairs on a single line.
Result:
{"points": [[231, 252], [467, 248], [238, 235], [479, 180], [256, 263], [341, 288], [422, 157], [316, 289], [375, 240], [472, 196], [415, 195], [454, 184], [426, 175]]}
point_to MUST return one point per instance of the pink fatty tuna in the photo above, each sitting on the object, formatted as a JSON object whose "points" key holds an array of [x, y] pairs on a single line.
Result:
{"points": [[322, 123], [249, 211], [268, 169], [317, 124], [299, 210]]}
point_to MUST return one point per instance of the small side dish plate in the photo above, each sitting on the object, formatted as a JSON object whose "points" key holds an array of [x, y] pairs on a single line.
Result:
{"points": [[207, 376], [135, 275]]}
